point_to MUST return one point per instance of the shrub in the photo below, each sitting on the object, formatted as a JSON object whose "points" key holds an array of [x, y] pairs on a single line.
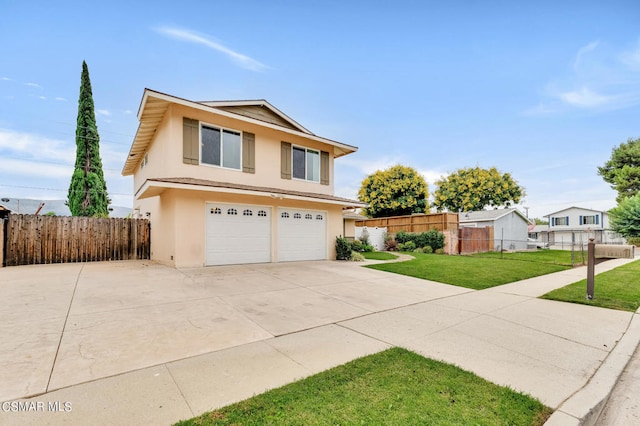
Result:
{"points": [[437, 239], [418, 250], [367, 248], [343, 249], [402, 237], [364, 237], [440, 251], [390, 245], [433, 238], [356, 257], [634, 241], [409, 246], [356, 245], [427, 249]]}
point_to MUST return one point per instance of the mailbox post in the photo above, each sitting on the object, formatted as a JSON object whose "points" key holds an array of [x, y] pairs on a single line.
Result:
{"points": [[591, 266], [604, 251]]}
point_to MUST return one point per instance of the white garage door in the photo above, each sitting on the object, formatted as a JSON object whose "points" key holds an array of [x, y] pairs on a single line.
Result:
{"points": [[302, 235], [237, 233]]}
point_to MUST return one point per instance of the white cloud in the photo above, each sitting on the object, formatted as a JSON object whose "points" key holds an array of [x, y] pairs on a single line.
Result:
{"points": [[19, 167], [104, 112], [432, 176], [583, 51], [61, 99], [632, 58], [6, 79], [585, 98], [36, 85], [35, 147], [44, 98], [127, 112], [240, 59]]}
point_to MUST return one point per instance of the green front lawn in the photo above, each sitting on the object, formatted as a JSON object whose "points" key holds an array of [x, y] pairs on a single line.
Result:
{"points": [[394, 387], [615, 289], [379, 255], [469, 271], [561, 257]]}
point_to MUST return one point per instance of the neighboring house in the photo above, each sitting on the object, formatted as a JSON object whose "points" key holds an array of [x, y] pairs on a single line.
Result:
{"points": [[575, 225], [232, 182], [510, 226], [540, 234], [349, 224]]}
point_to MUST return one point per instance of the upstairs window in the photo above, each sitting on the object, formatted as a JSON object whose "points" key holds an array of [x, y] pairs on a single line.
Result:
{"points": [[560, 221], [306, 164], [221, 147]]}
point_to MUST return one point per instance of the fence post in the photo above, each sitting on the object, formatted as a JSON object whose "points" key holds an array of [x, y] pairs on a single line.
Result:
{"points": [[591, 260], [2, 239]]}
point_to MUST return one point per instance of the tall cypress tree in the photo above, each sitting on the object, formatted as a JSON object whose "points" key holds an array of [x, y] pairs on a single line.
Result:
{"points": [[88, 189]]}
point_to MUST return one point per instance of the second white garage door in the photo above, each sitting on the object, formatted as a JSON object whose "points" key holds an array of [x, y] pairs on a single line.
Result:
{"points": [[238, 233], [302, 235]]}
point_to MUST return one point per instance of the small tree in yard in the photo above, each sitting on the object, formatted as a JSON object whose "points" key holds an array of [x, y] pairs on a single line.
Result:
{"points": [[625, 218], [471, 189], [622, 170], [396, 191], [88, 189]]}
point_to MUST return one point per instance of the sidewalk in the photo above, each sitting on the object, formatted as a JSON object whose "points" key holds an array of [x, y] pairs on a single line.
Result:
{"points": [[569, 356]]}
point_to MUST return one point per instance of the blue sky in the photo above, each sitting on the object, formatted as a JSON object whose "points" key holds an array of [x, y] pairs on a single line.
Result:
{"points": [[543, 91]]}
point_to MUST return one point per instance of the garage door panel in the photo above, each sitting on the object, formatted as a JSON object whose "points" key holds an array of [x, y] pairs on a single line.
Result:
{"points": [[237, 234], [302, 235]]}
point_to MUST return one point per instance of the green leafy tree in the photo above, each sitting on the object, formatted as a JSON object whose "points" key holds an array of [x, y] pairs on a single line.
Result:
{"points": [[472, 189], [625, 218], [396, 191], [622, 170], [88, 189], [538, 221]]}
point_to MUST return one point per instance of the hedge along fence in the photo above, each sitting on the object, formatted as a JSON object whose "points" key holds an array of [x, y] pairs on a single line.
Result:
{"points": [[60, 239]]}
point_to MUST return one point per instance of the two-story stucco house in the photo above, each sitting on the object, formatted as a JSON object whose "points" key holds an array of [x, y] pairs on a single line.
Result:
{"points": [[232, 182], [575, 225]]}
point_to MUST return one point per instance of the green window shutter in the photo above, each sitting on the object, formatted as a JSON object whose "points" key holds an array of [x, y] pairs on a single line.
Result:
{"points": [[248, 152], [190, 141], [285, 160], [324, 168]]}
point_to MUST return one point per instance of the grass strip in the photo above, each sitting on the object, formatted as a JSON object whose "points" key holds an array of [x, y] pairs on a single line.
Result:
{"points": [[468, 271], [379, 255], [618, 288], [394, 387]]}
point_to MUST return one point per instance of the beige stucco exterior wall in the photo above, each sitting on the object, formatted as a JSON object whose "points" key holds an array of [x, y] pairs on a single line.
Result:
{"points": [[165, 154], [178, 218]]}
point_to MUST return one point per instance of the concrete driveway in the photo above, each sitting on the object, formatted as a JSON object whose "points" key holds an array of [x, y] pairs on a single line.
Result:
{"points": [[154, 344]]}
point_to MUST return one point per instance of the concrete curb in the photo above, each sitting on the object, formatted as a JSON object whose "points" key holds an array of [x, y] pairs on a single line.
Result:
{"points": [[585, 406]]}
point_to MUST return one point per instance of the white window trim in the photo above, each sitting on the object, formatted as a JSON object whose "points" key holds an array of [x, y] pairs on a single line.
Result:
{"points": [[222, 129], [306, 171]]}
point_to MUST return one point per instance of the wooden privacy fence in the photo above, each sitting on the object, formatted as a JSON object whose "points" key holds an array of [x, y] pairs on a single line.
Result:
{"points": [[413, 223], [33, 239], [475, 240]]}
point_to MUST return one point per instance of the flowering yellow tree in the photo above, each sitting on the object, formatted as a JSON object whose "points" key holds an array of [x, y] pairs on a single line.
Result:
{"points": [[472, 189], [396, 191]]}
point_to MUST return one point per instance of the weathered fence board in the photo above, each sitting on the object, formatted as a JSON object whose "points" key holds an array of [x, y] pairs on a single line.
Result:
{"points": [[475, 240], [59, 239], [413, 223]]}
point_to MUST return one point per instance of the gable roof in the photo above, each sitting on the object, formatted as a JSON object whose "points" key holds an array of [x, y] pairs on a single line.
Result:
{"points": [[488, 215], [154, 105], [259, 109], [574, 207]]}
